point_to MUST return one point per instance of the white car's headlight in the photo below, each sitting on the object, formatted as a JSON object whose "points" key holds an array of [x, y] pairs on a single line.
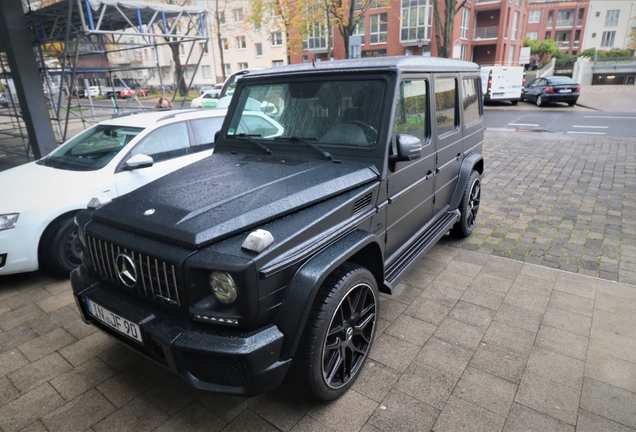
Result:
{"points": [[8, 221]]}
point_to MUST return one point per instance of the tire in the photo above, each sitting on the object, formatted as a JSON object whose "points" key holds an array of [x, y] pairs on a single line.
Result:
{"points": [[339, 333], [469, 207], [539, 101], [572, 103], [514, 103], [59, 247]]}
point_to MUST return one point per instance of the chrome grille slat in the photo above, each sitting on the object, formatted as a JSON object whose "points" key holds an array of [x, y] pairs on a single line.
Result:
{"points": [[156, 279]]}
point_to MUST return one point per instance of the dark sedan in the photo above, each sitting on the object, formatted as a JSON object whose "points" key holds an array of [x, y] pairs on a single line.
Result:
{"points": [[545, 90]]}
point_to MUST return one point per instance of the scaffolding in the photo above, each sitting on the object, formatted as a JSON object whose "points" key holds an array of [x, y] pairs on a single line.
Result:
{"points": [[78, 44]]}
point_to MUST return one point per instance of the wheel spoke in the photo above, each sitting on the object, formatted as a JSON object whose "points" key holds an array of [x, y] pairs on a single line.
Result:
{"points": [[333, 366]]}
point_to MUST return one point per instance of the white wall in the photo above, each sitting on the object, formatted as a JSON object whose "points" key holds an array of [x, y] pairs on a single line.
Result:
{"points": [[595, 26]]}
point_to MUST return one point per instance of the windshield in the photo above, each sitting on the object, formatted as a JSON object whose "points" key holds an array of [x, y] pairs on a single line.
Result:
{"points": [[91, 149], [328, 112]]}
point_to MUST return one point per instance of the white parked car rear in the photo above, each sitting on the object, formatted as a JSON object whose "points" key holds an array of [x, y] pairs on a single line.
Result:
{"points": [[502, 83], [38, 200]]}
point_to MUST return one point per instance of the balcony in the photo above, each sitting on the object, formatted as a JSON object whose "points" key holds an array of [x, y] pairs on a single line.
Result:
{"points": [[486, 33], [563, 44], [565, 23], [478, 2]]}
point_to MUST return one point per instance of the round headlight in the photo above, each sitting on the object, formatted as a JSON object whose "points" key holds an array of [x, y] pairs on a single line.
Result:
{"points": [[223, 287]]}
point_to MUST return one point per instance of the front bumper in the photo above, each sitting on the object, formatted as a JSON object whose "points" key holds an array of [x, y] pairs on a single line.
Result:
{"points": [[20, 247], [210, 358]]}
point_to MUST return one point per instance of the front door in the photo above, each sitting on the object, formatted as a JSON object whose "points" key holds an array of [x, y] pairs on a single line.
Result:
{"points": [[410, 184]]}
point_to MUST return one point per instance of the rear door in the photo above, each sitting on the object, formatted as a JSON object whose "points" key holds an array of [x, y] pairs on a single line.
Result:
{"points": [[447, 136], [410, 184]]}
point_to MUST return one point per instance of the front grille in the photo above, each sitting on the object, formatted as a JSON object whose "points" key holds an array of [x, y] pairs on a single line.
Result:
{"points": [[156, 279], [215, 370]]}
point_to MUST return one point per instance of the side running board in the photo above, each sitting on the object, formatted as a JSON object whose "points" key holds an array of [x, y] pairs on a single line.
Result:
{"points": [[420, 245]]}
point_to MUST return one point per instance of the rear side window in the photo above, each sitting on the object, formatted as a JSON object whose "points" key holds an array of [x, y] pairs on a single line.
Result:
{"points": [[203, 132], [471, 100], [165, 143], [445, 105], [411, 109]]}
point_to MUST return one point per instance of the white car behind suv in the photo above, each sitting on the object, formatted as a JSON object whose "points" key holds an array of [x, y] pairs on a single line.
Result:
{"points": [[38, 200]]}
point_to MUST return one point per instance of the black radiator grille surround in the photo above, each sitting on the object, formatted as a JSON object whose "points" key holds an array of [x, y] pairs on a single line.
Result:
{"points": [[156, 278]]}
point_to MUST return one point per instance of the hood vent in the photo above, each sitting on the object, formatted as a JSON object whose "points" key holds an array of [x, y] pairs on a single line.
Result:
{"points": [[362, 203]]}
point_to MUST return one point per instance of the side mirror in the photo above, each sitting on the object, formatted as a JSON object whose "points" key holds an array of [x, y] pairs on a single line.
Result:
{"points": [[409, 148], [138, 161]]}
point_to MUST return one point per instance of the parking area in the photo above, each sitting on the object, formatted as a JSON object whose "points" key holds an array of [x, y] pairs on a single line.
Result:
{"points": [[520, 327]]}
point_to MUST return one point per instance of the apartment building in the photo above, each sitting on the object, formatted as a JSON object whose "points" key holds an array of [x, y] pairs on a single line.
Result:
{"points": [[487, 32], [561, 21], [609, 24]]}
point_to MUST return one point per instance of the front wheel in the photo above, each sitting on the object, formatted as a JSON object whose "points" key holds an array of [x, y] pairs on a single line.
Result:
{"points": [[339, 333], [469, 207], [59, 248]]}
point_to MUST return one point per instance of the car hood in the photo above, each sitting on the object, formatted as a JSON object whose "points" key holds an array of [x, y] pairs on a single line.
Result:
{"points": [[31, 184], [225, 194]]}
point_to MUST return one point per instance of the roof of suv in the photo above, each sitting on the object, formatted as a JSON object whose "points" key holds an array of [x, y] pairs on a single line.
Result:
{"points": [[403, 63], [152, 118]]}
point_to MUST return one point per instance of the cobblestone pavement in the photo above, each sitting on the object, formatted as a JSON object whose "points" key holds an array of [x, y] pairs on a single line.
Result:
{"points": [[561, 202]]}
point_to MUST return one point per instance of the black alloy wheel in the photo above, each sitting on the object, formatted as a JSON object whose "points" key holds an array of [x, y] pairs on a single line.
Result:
{"points": [[339, 333]]}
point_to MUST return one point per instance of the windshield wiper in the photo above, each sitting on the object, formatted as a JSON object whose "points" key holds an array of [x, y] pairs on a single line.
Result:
{"points": [[253, 141], [310, 144]]}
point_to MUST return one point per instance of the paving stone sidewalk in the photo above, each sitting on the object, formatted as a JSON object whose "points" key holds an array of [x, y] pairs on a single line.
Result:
{"points": [[562, 201], [469, 342]]}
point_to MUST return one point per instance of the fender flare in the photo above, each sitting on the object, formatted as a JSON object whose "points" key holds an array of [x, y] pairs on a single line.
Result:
{"points": [[467, 167], [302, 289]]}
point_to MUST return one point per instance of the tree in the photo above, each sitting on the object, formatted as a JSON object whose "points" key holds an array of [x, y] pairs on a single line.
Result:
{"points": [[345, 18], [444, 30], [219, 18], [543, 49]]}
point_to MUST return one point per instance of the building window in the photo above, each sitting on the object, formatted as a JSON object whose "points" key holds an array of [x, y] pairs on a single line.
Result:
{"points": [[532, 35], [238, 15], [207, 71], [277, 39], [377, 4], [166, 72], [550, 18], [593, 35], [378, 28], [181, 49], [222, 17], [225, 44], [534, 17], [189, 72], [242, 66], [259, 49], [227, 69], [608, 39], [240, 43], [416, 21], [463, 28], [316, 38], [579, 20], [277, 63], [445, 105], [203, 47], [565, 18], [360, 30], [548, 35], [511, 55], [305, 59], [598, 14], [146, 54], [611, 18], [464, 52], [515, 26]]}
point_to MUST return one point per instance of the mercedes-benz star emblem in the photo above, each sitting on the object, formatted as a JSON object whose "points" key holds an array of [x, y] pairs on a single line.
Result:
{"points": [[126, 270]]}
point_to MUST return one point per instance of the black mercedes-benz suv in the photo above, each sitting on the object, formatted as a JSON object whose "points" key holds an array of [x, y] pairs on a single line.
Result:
{"points": [[328, 182]]}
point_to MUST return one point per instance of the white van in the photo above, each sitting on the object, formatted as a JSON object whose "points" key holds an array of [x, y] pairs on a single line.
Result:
{"points": [[502, 83]]}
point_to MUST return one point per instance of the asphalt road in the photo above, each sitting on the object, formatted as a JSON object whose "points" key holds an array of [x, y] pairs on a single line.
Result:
{"points": [[560, 119]]}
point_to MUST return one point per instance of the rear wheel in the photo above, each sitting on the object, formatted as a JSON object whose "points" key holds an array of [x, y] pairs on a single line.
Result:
{"points": [[59, 248], [514, 102], [572, 103], [539, 101], [338, 334], [469, 207]]}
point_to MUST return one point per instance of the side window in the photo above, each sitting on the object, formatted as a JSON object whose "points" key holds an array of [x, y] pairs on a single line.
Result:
{"points": [[411, 109], [165, 143], [472, 110], [445, 105], [203, 132]]}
